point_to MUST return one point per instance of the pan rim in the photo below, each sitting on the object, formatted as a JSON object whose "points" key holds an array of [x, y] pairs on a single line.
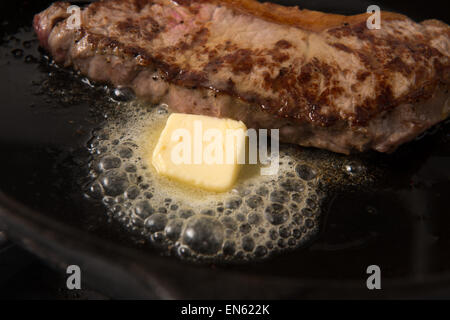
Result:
{"points": [[49, 238]]}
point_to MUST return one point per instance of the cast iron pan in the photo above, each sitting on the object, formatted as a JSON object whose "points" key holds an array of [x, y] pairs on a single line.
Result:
{"points": [[401, 223]]}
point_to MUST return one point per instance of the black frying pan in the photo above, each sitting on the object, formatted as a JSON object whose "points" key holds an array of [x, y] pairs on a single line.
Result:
{"points": [[47, 115]]}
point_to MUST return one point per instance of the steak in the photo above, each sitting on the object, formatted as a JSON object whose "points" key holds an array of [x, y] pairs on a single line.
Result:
{"points": [[324, 80]]}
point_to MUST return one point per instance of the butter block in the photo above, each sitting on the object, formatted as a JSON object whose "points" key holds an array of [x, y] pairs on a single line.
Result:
{"points": [[204, 152]]}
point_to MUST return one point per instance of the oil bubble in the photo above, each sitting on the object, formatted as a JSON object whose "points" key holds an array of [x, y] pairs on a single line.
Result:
{"points": [[279, 196], [109, 162], [305, 172], [96, 190], [203, 235], [173, 229], [156, 222], [143, 209], [276, 214], [123, 94], [132, 192], [248, 243], [17, 53], [114, 182], [125, 152], [254, 201]]}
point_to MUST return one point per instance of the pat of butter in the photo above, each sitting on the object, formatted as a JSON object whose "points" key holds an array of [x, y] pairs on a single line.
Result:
{"points": [[204, 152]]}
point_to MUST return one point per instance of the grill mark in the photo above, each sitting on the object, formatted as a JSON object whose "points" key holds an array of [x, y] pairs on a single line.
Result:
{"points": [[140, 28], [199, 39], [362, 75], [278, 56], [240, 61], [305, 75], [398, 65], [128, 26], [140, 4], [341, 47], [214, 65], [283, 44]]}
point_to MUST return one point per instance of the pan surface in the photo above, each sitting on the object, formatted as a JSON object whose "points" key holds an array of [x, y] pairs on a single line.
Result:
{"points": [[47, 116]]}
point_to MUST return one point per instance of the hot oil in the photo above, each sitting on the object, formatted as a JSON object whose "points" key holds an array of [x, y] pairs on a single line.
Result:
{"points": [[259, 216]]}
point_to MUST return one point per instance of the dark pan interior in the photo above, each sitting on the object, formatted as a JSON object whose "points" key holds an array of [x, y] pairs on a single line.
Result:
{"points": [[401, 223]]}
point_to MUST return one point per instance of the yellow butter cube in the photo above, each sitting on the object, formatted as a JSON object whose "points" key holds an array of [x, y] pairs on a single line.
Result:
{"points": [[204, 152]]}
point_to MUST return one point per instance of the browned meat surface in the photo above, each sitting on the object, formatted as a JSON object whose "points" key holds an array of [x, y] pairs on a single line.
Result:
{"points": [[324, 80]]}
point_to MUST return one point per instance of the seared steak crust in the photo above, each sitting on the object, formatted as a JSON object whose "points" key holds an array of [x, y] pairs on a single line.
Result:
{"points": [[325, 80]]}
